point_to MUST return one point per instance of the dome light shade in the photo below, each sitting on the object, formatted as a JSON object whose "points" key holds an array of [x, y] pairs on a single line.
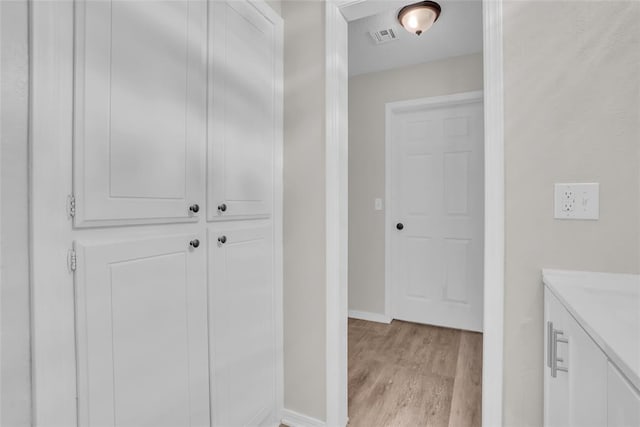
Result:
{"points": [[419, 17]]}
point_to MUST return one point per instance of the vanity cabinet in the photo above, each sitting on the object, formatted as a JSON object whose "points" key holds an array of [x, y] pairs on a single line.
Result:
{"points": [[592, 357], [575, 379]]}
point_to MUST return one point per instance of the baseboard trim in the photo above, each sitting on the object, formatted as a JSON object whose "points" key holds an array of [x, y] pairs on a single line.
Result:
{"points": [[294, 419], [372, 317]]}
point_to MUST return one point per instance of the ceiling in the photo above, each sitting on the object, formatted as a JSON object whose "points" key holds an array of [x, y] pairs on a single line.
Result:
{"points": [[458, 31]]}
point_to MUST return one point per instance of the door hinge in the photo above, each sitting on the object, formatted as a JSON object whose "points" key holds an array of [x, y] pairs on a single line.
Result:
{"points": [[71, 206], [72, 260]]}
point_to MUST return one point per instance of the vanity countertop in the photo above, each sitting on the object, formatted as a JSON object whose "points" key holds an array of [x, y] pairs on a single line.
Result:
{"points": [[607, 306]]}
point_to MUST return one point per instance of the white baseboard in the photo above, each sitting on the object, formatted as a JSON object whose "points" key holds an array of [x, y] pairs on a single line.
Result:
{"points": [[372, 317], [294, 419]]}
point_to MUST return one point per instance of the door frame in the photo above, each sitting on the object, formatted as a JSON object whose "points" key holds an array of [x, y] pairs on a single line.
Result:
{"points": [[339, 12], [401, 107]]}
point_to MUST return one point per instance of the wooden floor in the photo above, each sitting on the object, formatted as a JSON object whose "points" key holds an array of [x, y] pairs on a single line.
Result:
{"points": [[410, 375]]}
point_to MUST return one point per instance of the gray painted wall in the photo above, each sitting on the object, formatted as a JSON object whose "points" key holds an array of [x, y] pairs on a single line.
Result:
{"points": [[304, 208], [572, 113], [15, 356], [368, 94]]}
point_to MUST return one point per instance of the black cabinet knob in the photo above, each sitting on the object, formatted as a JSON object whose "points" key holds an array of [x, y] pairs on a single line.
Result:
{"points": [[222, 239], [222, 207], [399, 226], [195, 208], [194, 243]]}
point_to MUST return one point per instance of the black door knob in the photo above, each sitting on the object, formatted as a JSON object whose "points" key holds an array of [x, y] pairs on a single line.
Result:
{"points": [[222, 207], [195, 208], [399, 226], [194, 243], [222, 239]]}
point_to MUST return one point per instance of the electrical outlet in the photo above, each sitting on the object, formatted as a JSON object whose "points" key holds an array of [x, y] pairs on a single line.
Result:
{"points": [[377, 204], [577, 201]]}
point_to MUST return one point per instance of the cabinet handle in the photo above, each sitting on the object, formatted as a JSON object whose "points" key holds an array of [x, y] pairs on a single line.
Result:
{"points": [[222, 207], [195, 208], [549, 345], [555, 359], [222, 240], [194, 243]]}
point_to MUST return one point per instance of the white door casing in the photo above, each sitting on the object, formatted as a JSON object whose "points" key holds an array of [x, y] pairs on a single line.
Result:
{"points": [[242, 48], [494, 253], [435, 173], [141, 327], [140, 70]]}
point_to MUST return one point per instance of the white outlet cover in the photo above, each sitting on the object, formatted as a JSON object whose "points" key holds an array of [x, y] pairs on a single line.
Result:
{"points": [[577, 201], [377, 204]]}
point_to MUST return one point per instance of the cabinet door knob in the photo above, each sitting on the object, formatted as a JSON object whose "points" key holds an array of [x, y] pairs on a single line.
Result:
{"points": [[195, 208], [194, 243], [222, 207], [399, 226], [222, 239]]}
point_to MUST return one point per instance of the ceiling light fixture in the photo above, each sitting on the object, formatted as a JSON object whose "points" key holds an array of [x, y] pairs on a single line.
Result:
{"points": [[419, 17]]}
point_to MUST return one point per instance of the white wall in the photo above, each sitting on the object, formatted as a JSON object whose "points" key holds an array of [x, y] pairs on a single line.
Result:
{"points": [[572, 113], [14, 280], [368, 94], [304, 208]]}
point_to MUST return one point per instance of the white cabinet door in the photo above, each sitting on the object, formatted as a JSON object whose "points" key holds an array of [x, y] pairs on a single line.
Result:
{"points": [[556, 382], [243, 119], [142, 333], [577, 394], [623, 400], [587, 366], [241, 303], [436, 238], [139, 110]]}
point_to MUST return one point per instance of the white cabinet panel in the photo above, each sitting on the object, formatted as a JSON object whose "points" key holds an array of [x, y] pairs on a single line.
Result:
{"points": [[141, 327], [577, 395], [243, 346], [242, 111], [623, 400], [139, 110]]}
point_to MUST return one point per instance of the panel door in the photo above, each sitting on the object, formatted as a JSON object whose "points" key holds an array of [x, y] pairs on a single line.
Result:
{"points": [[142, 343], [243, 326], [139, 110], [242, 111], [437, 209], [623, 400]]}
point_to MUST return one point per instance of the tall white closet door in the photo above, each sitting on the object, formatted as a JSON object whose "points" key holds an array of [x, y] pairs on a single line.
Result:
{"points": [[242, 111], [139, 110], [241, 303], [142, 333]]}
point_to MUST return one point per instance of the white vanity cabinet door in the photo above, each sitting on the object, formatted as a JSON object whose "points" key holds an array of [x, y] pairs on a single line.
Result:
{"points": [[576, 395], [556, 388], [587, 374], [623, 400]]}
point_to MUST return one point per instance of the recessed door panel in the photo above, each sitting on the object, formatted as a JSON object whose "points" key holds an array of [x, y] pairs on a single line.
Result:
{"points": [[243, 324], [142, 333], [139, 110], [241, 122]]}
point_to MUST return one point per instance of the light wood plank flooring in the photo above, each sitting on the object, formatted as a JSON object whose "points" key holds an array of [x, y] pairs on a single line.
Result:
{"points": [[410, 375]]}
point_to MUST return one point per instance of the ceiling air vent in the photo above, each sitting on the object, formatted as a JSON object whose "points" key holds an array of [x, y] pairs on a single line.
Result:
{"points": [[383, 36]]}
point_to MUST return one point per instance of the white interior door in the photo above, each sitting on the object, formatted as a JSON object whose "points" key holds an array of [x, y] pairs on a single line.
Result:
{"points": [[140, 79], [142, 333], [436, 212], [242, 340], [242, 111]]}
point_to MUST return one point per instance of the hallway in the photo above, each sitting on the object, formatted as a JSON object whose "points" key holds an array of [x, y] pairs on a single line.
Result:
{"points": [[405, 374]]}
